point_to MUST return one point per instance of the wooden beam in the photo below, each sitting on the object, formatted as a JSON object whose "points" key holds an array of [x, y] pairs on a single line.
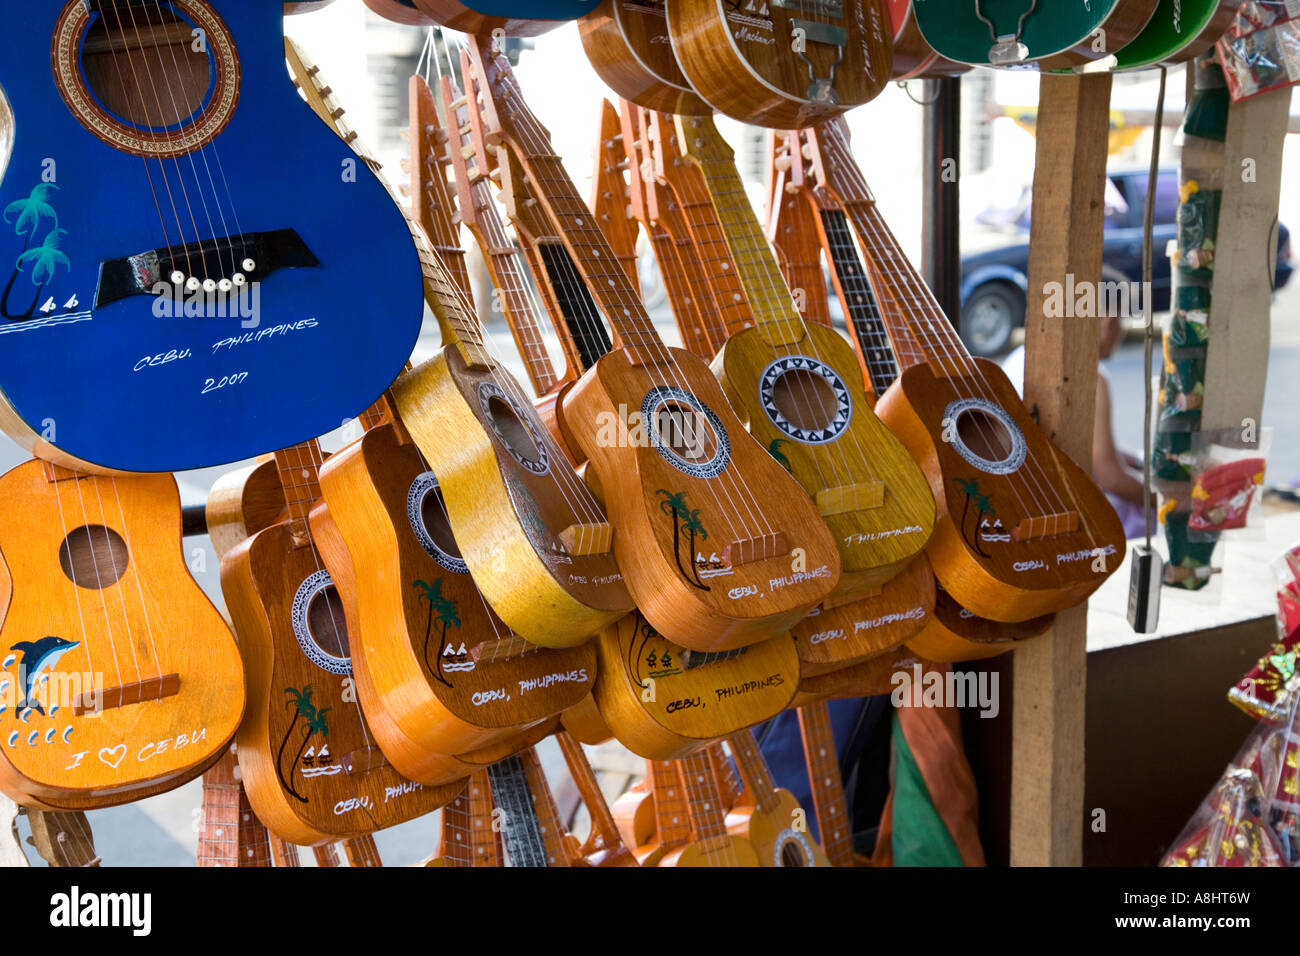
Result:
{"points": [[1060, 388]]}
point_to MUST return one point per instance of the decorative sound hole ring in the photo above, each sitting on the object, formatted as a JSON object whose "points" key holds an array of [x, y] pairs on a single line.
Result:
{"points": [[417, 499], [515, 428], [792, 848], [964, 414], [315, 587], [819, 382], [189, 134], [667, 403]]}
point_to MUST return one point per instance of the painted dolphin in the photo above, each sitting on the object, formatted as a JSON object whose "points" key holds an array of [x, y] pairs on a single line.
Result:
{"points": [[38, 656]]}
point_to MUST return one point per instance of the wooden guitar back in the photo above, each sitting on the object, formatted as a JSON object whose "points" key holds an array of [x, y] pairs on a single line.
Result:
{"points": [[627, 43], [782, 65], [125, 683], [429, 651], [311, 766], [660, 707], [512, 17]]}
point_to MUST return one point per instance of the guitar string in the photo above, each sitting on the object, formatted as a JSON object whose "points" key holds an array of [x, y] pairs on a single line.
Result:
{"points": [[827, 790], [76, 593], [148, 133], [944, 342], [135, 573], [641, 332], [234, 265]]}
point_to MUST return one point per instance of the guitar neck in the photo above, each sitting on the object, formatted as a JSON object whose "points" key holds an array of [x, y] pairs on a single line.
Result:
{"points": [[361, 851], [859, 301], [725, 770], [770, 301], [431, 201], [229, 833], [827, 786], [63, 838], [284, 853], [327, 855], [609, 193], [703, 799], [672, 816], [533, 836], [792, 230], [468, 838], [754, 769], [584, 778], [299, 468]]}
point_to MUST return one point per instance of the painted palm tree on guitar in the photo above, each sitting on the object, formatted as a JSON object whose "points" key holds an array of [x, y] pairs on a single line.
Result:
{"points": [[443, 611], [27, 215], [688, 519], [314, 723], [983, 507]]}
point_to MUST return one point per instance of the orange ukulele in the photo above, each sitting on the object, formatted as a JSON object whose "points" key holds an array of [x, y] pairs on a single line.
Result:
{"points": [[782, 64], [950, 633], [229, 832], [767, 815], [827, 785], [604, 845], [531, 533], [312, 768], [119, 678], [1023, 531], [468, 835], [437, 671], [710, 843], [690, 473]]}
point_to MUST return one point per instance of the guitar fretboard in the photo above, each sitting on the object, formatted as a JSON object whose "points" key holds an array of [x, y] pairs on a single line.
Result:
{"points": [[827, 785], [703, 799], [299, 468], [754, 769], [468, 838], [532, 836], [229, 832], [859, 301]]}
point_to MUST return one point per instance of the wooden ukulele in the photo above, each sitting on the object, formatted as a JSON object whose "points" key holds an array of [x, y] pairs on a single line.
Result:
{"points": [[468, 836], [229, 832], [692, 474], [516, 18], [782, 65], [120, 679], [231, 253], [768, 816], [628, 46], [311, 766], [437, 671], [796, 383], [604, 845], [822, 761], [534, 538], [710, 842], [1047, 36], [947, 632], [1023, 531], [63, 839]]}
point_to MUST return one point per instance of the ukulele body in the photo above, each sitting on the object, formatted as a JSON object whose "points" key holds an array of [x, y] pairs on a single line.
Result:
{"points": [[628, 46], [729, 497], [506, 511], [807, 404], [772, 834], [955, 634], [1179, 30], [847, 633], [691, 706], [417, 618], [170, 682], [310, 764], [744, 63], [977, 552], [868, 678], [517, 18], [719, 852], [97, 325]]}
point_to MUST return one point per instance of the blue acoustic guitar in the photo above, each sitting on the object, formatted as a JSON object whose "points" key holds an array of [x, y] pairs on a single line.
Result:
{"points": [[193, 268]]}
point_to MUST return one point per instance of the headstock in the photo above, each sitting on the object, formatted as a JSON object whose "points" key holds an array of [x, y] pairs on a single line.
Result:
{"points": [[429, 198], [610, 200], [503, 112], [830, 160], [63, 839], [698, 139]]}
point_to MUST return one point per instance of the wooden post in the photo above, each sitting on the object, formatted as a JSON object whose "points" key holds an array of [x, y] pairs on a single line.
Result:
{"points": [[1065, 240]]}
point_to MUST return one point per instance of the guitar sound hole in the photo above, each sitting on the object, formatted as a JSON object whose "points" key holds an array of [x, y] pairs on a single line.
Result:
{"points": [[805, 398], [984, 435], [511, 430], [685, 432], [139, 61], [325, 620], [433, 513], [791, 855], [94, 557]]}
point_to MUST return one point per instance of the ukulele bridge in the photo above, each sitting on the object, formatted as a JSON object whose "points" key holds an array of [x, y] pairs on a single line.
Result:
{"points": [[585, 539], [155, 688], [1046, 526], [760, 548], [363, 761], [862, 496]]}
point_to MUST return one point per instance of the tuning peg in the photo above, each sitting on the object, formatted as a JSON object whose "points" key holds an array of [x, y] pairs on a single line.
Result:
{"points": [[782, 162], [404, 132]]}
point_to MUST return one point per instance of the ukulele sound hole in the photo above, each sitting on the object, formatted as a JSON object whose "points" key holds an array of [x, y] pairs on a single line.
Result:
{"points": [[325, 621], [512, 431], [685, 432], [791, 855], [984, 435], [433, 514], [94, 556], [805, 399], [139, 61]]}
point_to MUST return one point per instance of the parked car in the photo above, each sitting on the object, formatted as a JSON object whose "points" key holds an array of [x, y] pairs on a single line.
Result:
{"points": [[995, 279]]}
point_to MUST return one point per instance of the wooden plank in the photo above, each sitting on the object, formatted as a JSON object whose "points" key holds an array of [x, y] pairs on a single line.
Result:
{"points": [[1245, 258], [1060, 387]]}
